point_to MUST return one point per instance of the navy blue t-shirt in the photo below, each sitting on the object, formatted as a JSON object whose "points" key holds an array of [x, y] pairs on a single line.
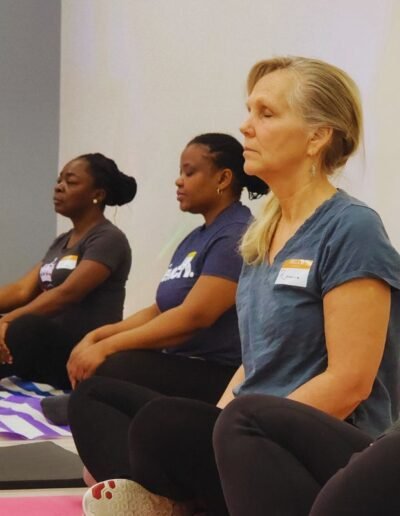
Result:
{"points": [[280, 306], [211, 251]]}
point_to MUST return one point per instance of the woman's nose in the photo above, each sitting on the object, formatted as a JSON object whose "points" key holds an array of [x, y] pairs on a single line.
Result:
{"points": [[179, 181], [246, 127], [58, 187]]}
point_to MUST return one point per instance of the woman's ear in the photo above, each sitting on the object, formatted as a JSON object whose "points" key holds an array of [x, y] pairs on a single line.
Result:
{"points": [[320, 138], [101, 195], [225, 178]]}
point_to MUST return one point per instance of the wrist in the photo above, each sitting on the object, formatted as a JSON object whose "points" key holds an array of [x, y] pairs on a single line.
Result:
{"points": [[119, 342], [107, 347]]}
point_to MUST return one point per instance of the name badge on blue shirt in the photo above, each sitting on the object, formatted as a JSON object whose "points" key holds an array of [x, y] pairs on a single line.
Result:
{"points": [[294, 272]]}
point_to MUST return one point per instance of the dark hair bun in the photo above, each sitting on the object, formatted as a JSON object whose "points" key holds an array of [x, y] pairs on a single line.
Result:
{"points": [[120, 188]]}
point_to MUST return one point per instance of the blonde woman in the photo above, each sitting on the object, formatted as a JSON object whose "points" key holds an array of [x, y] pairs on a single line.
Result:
{"points": [[318, 303]]}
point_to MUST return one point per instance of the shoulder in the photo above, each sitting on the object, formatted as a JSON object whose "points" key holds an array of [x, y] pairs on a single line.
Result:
{"points": [[108, 231], [355, 245], [108, 227], [107, 242], [353, 217], [231, 223], [235, 213]]}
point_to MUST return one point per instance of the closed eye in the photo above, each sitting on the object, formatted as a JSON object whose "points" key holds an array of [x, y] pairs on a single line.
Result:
{"points": [[187, 171]]}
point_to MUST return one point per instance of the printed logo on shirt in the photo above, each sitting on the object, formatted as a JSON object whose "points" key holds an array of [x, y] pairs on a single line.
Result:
{"points": [[68, 262], [184, 270], [294, 272], [46, 271]]}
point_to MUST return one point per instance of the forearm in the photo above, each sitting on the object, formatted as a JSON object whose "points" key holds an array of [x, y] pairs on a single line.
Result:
{"points": [[329, 394], [11, 297], [46, 303], [134, 321], [169, 328]]}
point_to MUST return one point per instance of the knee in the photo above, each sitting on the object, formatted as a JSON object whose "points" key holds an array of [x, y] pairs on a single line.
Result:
{"points": [[238, 413], [79, 396], [86, 389], [25, 343], [22, 328], [232, 417], [247, 414]]}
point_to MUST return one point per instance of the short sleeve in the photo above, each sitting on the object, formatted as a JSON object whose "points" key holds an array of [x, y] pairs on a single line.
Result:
{"points": [[108, 246], [223, 258], [358, 247]]}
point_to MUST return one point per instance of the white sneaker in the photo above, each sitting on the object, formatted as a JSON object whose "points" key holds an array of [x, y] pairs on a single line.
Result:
{"points": [[121, 497]]}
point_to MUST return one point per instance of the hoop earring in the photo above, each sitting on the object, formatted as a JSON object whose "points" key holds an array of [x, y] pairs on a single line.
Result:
{"points": [[219, 191]]}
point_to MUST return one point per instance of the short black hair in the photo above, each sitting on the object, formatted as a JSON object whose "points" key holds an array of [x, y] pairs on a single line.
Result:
{"points": [[227, 152]]}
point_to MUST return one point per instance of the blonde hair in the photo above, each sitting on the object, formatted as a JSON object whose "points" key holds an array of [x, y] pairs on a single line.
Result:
{"points": [[324, 96]]}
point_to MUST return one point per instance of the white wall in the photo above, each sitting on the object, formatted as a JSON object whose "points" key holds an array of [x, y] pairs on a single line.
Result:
{"points": [[141, 77]]}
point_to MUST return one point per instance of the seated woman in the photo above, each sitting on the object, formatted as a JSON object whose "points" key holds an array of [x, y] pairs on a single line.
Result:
{"points": [[187, 342], [318, 302], [80, 283]]}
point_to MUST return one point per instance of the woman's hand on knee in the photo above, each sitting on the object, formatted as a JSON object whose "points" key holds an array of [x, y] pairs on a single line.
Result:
{"points": [[5, 355], [84, 364], [88, 340]]}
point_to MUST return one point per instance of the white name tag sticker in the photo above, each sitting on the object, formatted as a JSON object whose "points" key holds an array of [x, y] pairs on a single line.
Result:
{"points": [[68, 262], [294, 272]]}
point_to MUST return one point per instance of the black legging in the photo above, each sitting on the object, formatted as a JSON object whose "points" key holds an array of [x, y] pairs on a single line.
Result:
{"points": [[40, 348], [283, 458], [169, 374], [164, 443], [274, 456]]}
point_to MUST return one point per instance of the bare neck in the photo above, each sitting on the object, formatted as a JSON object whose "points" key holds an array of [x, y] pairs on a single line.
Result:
{"points": [[297, 206], [83, 223]]}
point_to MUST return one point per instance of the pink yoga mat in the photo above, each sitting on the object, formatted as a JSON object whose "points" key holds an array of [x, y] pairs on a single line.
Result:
{"points": [[41, 506]]}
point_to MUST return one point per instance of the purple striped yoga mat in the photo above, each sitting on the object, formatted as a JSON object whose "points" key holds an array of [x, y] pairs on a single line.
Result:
{"points": [[21, 417]]}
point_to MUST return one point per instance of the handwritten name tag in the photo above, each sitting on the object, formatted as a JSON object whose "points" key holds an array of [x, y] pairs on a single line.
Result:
{"points": [[294, 272], [68, 262]]}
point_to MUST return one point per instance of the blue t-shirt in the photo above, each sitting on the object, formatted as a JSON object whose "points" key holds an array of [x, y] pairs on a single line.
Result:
{"points": [[211, 251], [280, 306]]}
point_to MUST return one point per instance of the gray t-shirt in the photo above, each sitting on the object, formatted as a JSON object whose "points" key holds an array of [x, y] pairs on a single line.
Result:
{"points": [[280, 307], [106, 244]]}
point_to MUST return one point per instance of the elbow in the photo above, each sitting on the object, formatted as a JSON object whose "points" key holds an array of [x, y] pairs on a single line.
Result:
{"points": [[359, 394], [67, 297], [356, 388], [364, 390], [197, 320]]}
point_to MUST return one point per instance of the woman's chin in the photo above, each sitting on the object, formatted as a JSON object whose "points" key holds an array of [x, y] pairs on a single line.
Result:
{"points": [[250, 168], [183, 206]]}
